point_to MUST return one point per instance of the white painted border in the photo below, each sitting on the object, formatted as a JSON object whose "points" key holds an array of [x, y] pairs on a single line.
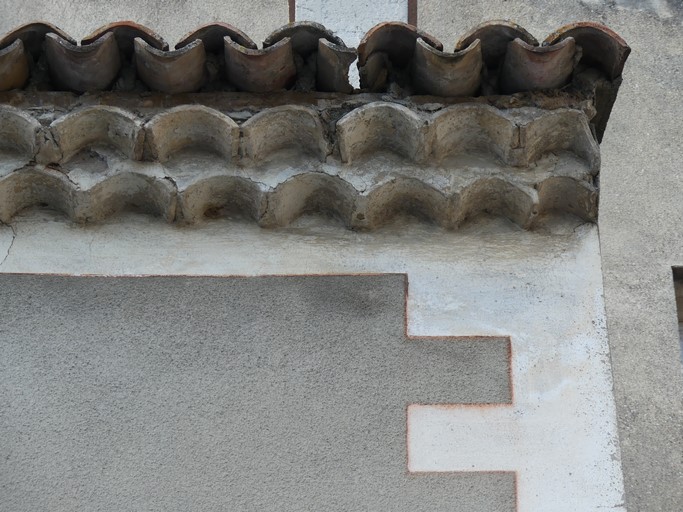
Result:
{"points": [[545, 292]]}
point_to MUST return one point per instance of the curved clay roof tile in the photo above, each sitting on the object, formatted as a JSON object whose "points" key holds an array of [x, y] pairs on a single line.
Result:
{"points": [[304, 36], [601, 46], [33, 35], [92, 67], [532, 68], [212, 35], [333, 64], [447, 74], [494, 37], [13, 66], [175, 72], [125, 32], [266, 70]]}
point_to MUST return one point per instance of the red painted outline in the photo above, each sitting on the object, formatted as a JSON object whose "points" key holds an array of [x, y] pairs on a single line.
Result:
{"points": [[405, 332], [412, 12]]}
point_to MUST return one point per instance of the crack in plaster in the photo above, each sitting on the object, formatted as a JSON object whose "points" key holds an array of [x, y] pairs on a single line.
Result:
{"points": [[11, 244]]}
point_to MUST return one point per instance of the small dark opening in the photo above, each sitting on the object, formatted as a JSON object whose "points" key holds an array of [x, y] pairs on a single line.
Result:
{"points": [[678, 289]]}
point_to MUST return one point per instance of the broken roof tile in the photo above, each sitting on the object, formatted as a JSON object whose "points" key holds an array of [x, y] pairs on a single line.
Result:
{"points": [[318, 48], [332, 67]]}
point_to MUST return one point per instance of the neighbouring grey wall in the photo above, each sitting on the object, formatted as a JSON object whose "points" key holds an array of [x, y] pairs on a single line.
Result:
{"points": [[641, 221]]}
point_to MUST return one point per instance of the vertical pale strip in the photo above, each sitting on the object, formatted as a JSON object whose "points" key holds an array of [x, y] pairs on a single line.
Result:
{"points": [[352, 18]]}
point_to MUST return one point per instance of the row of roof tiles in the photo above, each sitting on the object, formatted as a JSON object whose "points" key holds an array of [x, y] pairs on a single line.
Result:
{"points": [[306, 192], [494, 57], [95, 161], [509, 137]]}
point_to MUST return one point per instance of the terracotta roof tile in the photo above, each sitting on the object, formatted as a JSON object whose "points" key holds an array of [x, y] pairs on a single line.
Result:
{"points": [[396, 57], [447, 74], [601, 46], [265, 70], [212, 36], [14, 67], [526, 148], [304, 35], [33, 35], [171, 72], [332, 67], [513, 59], [494, 37], [125, 32], [90, 67], [533, 68]]}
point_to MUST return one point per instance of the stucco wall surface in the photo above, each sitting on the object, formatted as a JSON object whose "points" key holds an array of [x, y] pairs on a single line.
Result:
{"points": [[274, 393], [489, 279], [170, 19], [641, 214]]}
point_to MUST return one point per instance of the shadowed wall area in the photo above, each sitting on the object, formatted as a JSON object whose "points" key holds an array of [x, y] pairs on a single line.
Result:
{"points": [[264, 393]]}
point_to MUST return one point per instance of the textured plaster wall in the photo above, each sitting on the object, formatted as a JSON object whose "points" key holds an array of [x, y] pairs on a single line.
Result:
{"points": [[641, 219], [170, 19], [488, 279]]}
